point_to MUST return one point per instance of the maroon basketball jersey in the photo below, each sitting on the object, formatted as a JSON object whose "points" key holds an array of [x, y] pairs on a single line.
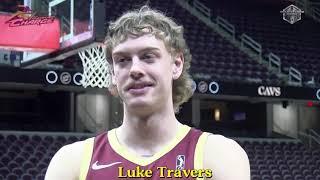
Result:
{"points": [[104, 158]]}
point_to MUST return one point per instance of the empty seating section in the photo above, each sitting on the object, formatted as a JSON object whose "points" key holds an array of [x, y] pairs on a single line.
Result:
{"points": [[282, 160], [212, 55], [297, 45], [27, 156]]}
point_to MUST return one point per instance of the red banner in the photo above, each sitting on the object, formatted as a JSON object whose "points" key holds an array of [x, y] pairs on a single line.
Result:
{"points": [[25, 32]]}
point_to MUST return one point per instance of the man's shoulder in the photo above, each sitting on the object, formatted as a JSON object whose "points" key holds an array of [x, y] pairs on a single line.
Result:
{"points": [[224, 155], [217, 139], [67, 160], [223, 145], [75, 148]]}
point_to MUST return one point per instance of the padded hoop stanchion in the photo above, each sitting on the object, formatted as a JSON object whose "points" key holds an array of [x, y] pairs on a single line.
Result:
{"points": [[96, 69]]}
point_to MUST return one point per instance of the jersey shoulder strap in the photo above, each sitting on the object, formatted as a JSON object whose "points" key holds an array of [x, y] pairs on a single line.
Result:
{"points": [[86, 158], [199, 151]]}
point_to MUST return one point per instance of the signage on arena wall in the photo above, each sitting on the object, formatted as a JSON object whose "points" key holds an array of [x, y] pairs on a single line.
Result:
{"points": [[269, 91], [66, 78], [25, 32], [217, 88], [40, 77]]}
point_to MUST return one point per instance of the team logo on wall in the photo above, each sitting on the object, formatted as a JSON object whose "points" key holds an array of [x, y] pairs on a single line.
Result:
{"points": [[65, 78], [25, 17], [202, 87], [77, 78], [291, 14], [180, 162], [269, 91], [51, 77], [214, 87]]}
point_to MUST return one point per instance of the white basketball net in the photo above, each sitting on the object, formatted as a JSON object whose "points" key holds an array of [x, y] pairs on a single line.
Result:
{"points": [[96, 69]]}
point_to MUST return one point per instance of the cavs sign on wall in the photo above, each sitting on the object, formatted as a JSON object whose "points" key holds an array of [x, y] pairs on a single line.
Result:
{"points": [[217, 88], [24, 31], [269, 91]]}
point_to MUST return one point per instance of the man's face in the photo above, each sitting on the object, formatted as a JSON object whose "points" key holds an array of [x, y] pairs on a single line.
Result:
{"points": [[143, 72]]}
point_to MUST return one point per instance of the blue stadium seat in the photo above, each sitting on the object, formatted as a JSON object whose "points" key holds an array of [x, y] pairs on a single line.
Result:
{"points": [[287, 177], [24, 138], [12, 165], [11, 138], [15, 148], [33, 172], [5, 159], [17, 171], [27, 165], [4, 171], [26, 176], [276, 177], [11, 154], [298, 177], [40, 177], [12, 176], [265, 177]]}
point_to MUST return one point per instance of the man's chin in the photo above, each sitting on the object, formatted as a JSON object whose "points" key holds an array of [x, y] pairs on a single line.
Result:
{"points": [[137, 103]]}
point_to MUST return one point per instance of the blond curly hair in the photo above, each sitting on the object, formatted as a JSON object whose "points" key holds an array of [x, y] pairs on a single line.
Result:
{"points": [[149, 21]]}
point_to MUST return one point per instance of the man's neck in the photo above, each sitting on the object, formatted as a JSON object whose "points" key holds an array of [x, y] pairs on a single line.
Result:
{"points": [[148, 134]]}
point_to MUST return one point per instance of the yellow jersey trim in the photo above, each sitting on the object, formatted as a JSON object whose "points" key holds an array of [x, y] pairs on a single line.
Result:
{"points": [[122, 151], [199, 152], [86, 158]]}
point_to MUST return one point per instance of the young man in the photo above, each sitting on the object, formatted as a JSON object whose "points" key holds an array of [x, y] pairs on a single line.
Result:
{"points": [[150, 61]]}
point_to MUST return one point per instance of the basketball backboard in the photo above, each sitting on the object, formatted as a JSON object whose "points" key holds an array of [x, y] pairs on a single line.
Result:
{"points": [[82, 24]]}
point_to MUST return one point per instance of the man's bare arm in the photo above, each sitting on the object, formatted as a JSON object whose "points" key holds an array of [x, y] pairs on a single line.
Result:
{"points": [[226, 159], [65, 164]]}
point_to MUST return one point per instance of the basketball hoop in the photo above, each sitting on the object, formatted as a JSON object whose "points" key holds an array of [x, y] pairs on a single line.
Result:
{"points": [[96, 69]]}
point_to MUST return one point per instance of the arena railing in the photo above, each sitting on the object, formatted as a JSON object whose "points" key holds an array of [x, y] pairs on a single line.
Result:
{"points": [[316, 14], [309, 8], [202, 8], [295, 76], [203, 16], [225, 25], [254, 45], [274, 60], [314, 133], [310, 138]]}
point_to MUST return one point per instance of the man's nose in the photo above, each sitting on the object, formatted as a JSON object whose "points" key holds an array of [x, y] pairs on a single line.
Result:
{"points": [[136, 70]]}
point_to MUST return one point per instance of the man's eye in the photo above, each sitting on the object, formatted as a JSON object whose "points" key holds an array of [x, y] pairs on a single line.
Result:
{"points": [[148, 56], [120, 60]]}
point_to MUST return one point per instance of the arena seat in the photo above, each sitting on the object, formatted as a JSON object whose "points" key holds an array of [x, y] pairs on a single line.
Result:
{"points": [[40, 177], [12, 176], [26, 176], [286, 162], [17, 171], [30, 160]]}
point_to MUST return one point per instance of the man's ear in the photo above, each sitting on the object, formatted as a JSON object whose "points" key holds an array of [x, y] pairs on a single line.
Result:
{"points": [[177, 67]]}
